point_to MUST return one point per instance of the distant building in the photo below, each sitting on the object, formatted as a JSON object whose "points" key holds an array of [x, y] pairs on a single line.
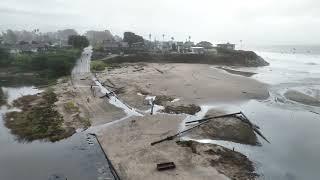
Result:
{"points": [[212, 51], [111, 45], [124, 44], [29, 48], [98, 37], [114, 46], [226, 46], [197, 50], [138, 46], [188, 44], [184, 47]]}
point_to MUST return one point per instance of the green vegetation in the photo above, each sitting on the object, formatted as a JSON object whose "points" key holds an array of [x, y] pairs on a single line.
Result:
{"points": [[98, 65], [132, 38], [47, 65], [2, 97], [4, 57], [205, 44], [78, 41], [51, 64], [38, 119], [85, 122], [71, 107]]}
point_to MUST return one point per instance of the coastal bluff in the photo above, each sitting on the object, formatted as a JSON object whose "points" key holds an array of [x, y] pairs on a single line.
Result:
{"points": [[223, 57]]}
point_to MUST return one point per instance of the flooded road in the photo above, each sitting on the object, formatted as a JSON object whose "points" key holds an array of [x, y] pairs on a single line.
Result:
{"points": [[78, 157]]}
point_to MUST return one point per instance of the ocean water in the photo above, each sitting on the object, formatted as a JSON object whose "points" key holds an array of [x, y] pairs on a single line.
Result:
{"points": [[292, 128]]}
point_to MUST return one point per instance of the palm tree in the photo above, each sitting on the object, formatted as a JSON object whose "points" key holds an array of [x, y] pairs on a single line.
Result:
{"points": [[163, 36], [172, 38]]}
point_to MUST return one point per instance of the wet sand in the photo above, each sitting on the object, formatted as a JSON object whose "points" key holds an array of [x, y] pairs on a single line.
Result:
{"points": [[90, 107], [128, 145], [127, 142], [191, 83], [241, 73], [302, 98]]}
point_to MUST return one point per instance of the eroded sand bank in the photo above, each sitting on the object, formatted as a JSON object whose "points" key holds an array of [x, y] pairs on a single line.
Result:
{"points": [[127, 142], [191, 83]]}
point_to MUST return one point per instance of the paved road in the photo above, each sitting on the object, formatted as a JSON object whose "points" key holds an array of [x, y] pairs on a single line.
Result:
{"points": [[97, 108], [83, 64], [104, 110], [99, 111]]}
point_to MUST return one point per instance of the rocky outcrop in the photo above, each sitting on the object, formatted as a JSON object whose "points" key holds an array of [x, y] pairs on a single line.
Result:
{"points": [[242, 58], [224, 57]]}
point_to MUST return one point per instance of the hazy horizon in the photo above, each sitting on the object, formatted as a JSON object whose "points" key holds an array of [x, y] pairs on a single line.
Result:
{"points": [[267, 22]]}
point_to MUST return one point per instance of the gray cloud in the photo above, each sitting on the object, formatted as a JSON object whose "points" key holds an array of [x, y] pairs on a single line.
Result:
{"points": [[255, 22]]}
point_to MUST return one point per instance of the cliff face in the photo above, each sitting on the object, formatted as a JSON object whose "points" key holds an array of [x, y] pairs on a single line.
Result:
{"points": [[225, 57]]}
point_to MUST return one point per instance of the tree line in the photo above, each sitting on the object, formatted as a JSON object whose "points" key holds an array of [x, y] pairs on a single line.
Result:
{"points": [[52, 64]]}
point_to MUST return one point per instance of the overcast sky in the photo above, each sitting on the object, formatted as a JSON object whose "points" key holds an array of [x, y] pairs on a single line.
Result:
{"points": [[253, 21]]}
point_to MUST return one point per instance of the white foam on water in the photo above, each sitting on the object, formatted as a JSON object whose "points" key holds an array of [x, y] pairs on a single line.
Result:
{"points": [[15, 93], [116, 102]]}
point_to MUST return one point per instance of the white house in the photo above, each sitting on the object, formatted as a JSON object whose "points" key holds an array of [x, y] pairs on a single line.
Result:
{"points": [[197, 50]]}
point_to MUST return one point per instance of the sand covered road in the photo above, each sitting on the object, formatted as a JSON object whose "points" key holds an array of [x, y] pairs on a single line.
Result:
{"points": [[127, 143], [191, 83], [78, 103]]}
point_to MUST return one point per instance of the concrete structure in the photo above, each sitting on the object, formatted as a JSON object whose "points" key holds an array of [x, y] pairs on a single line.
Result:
{"points": [[226, 46]]}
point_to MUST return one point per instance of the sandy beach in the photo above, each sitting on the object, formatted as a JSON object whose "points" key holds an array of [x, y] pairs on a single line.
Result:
{"points": [[127, 142], [180, 91], [128, 146], [191, 83]]}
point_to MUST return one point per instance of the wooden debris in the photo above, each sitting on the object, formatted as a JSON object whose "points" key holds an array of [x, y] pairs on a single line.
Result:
{"points": [[166, 166]]}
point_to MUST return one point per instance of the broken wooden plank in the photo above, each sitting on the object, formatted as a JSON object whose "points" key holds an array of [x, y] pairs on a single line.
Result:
{"points": [[205, 119], [166, 166]]}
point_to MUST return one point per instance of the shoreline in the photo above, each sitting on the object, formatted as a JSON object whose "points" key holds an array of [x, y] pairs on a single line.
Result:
{"points": [[135, 96], [77, 101], [197, 83]]}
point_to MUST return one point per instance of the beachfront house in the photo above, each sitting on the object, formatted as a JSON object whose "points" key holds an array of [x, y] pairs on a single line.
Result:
{"points": [[34, 47], [197, 50], [114, 46], [226, 46]]}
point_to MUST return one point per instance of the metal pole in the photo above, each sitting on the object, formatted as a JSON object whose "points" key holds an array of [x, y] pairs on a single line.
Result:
{"points": [[152, 105]]}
